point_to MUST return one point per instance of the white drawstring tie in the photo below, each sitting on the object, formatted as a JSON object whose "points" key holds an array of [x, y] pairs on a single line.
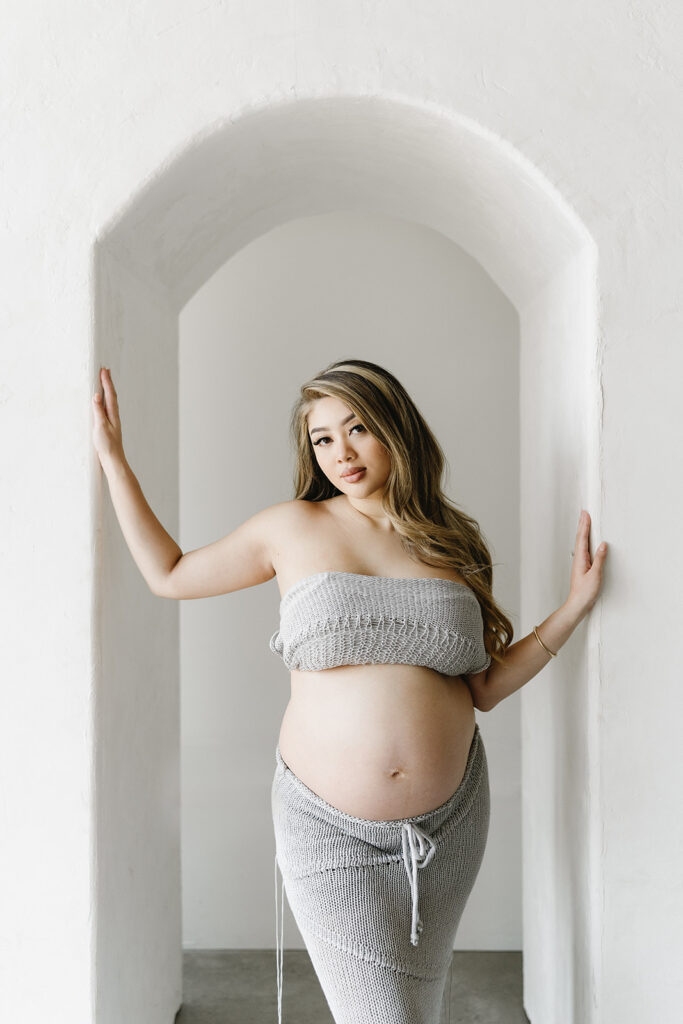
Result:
{"points": [[279, 944], [415, 855]]}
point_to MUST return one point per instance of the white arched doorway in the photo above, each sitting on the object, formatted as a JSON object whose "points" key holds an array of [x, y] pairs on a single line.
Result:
{"points": [[238, 180]]}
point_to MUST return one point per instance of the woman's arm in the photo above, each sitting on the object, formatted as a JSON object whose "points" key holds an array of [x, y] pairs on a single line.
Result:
{"points": [[240, 559], [527, 657], [153, 549]]}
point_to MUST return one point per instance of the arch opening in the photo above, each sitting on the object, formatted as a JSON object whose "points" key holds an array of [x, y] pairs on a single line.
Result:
{"points": [[237, 181]]}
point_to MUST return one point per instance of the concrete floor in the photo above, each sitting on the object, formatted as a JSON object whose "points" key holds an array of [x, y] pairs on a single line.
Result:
{"points": [[240, 987]]}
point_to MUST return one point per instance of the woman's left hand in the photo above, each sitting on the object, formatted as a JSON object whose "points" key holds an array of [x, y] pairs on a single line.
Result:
{"points": [[586, 578]]}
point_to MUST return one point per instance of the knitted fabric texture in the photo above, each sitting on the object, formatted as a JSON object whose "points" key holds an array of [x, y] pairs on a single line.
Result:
{"points": [[378, 903], [343, 618]]}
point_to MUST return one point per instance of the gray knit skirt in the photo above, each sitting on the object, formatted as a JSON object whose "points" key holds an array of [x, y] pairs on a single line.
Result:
{"points": [[378, 903]]}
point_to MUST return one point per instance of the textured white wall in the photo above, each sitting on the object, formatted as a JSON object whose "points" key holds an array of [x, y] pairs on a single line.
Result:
{"points": [[319, 289], [96, 107]]}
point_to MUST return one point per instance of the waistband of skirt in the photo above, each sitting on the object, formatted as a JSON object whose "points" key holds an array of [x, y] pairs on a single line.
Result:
{"points": [[456, 804]]}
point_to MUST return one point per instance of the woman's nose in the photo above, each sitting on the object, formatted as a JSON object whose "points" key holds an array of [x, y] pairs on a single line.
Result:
{"points": [[345, 449]]}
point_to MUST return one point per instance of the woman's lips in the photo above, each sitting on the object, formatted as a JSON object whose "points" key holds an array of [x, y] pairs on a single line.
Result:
{"points": [[354, 477]]}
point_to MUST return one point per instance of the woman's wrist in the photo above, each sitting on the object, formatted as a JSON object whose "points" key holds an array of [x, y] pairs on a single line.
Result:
{"points": [[574, 610], [115, 465]]}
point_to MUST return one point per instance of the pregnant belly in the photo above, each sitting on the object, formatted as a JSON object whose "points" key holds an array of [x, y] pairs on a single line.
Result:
{"points": [[378, 741]]}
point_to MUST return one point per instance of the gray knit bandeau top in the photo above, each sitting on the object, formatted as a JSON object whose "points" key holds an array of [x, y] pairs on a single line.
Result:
{"points": [[345, 618]]}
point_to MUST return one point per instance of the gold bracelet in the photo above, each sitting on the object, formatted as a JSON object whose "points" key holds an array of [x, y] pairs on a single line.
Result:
{"points": [[543, 645]]}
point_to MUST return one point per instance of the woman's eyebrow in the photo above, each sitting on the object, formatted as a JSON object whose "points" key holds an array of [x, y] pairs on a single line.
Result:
{"points": [[316, 429]]}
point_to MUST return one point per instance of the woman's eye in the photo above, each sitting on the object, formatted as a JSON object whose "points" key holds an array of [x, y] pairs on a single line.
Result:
{"points": [[326, 438]]}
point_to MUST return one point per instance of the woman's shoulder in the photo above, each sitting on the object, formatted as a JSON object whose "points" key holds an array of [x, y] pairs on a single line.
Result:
{"points": [[296, 527], [296, 511]]}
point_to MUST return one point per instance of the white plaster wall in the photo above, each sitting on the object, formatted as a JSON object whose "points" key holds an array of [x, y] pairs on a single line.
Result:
{"points": [[98, 102], [562, 818], [136, 663], [318, 289]]}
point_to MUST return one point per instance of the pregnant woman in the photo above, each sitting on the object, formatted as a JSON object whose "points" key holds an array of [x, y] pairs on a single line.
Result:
{"points": [[388, 625]]}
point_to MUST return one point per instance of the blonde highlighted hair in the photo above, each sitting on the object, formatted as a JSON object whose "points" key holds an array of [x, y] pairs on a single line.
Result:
{"points": [[431, 528]]}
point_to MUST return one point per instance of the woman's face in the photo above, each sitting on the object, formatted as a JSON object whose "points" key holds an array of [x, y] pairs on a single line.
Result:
{"points": [[341, 442]]}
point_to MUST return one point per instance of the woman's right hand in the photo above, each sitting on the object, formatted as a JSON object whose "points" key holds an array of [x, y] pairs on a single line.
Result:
{"points": [[106, 423]]}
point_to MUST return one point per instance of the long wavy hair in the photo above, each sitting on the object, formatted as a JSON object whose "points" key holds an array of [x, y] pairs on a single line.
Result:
{"points": [[431, 528]]}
